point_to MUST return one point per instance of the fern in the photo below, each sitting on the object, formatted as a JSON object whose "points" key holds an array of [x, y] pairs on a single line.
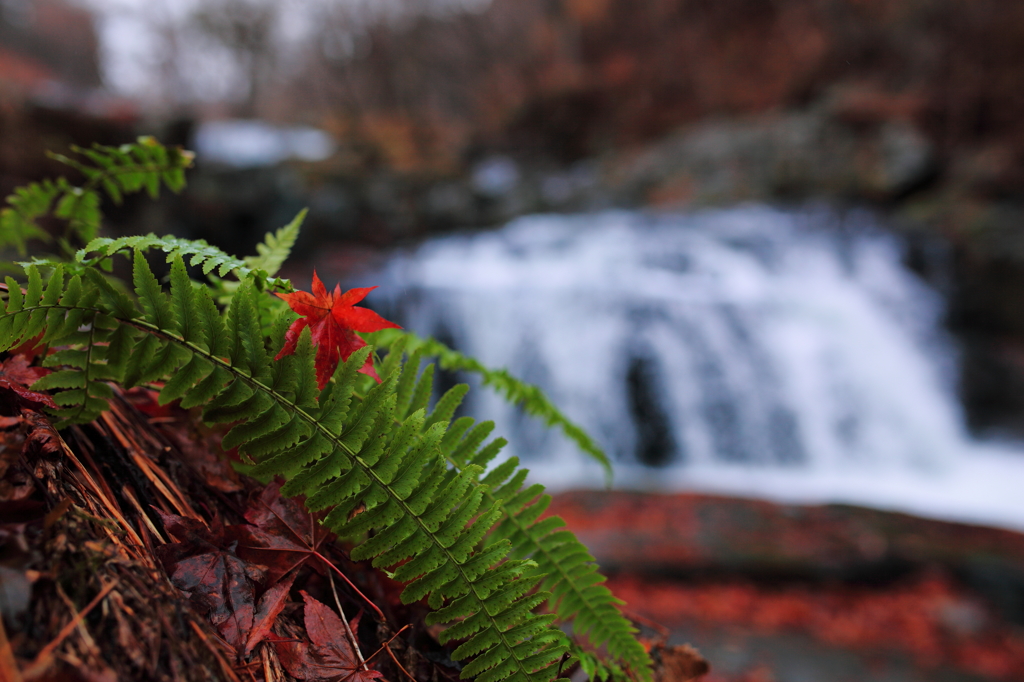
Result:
{"points": [[274, 250], [415, 491], [210, 259], [565, 566], [27, 204], [144, 165], [528, 396], [340, 452]]}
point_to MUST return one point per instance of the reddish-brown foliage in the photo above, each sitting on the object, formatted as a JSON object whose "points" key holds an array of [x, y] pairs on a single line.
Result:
{"points": [[17, 376], [328, 655], [281, 535], [932, 620]]}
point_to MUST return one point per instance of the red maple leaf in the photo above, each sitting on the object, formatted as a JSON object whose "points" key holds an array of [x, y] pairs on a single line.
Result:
{"points": [[271, 604], [333, 320], [328, 655], [216, 581], [280, 535]]}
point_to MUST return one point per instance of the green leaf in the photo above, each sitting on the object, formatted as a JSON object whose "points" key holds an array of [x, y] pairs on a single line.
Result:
{"points": [[276, 247]]}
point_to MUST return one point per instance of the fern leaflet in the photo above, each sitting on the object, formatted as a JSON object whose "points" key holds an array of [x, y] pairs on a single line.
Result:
{"points": [[530, 397], [563, 564], [276, 247], [129, 168]]}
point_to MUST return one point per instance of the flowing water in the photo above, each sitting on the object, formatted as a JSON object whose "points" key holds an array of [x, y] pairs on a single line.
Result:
{"points": [[750, 351]]}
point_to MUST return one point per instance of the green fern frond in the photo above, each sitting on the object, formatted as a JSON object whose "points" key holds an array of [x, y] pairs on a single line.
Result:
{"points": [[203, 255], [567, 569], [530, 397], [344, 451], [27, 204], [570, 574], [276, 247], [562, 564], [416, 492], [145, 164], [126, 169], [208, 258]]}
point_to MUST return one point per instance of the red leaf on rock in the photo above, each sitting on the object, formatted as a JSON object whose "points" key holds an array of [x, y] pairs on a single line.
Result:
{"points": [[282, 534], [329, 654], [333, 321], [17, 376]]}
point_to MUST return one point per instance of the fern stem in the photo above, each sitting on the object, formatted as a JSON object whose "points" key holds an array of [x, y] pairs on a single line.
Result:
{"points": [[88, 363]]}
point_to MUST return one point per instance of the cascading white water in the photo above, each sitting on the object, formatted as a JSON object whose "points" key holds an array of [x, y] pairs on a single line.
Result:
{"points": [[748, 351]]}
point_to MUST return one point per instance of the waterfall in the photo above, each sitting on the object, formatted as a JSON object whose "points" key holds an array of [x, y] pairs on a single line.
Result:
{"points": [[784, 354]]}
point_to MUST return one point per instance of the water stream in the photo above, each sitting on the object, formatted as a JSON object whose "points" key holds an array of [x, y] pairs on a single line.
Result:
{"points": [[747, 351]]}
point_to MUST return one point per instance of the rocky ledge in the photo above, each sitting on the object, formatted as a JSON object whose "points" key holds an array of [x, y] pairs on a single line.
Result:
{"points": [[788, 593]]}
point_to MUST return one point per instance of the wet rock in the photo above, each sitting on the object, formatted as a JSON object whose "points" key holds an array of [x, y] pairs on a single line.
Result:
{"points": [[688, 534], [788, 155]]}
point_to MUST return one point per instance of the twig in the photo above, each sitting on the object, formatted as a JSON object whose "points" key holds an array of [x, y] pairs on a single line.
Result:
{"points": [[269, 674], [98, 492], [394, 658], [90, 643], [56, 513], [348, 629], [155, 474], [380, 614], [211, 647], [66, 630], [390, 640], [147, 523]]}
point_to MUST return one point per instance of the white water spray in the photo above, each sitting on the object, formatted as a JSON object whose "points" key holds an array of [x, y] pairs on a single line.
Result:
{"points": [[745, 351]]}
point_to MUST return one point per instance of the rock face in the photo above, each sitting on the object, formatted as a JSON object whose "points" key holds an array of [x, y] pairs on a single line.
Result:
{"points": [[792, 593], [792, 155], [685, 534]]}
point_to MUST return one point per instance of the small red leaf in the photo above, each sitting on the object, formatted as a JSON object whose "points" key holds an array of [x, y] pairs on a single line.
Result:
{"points": [[271, 603], [327, 632], [281, 535], [329, 654], [333, 322]]}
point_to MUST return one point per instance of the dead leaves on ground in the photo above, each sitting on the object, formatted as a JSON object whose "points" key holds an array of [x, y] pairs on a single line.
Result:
{"points": [[222, 569], [86, 527], [329, 653], [280, 535]]}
